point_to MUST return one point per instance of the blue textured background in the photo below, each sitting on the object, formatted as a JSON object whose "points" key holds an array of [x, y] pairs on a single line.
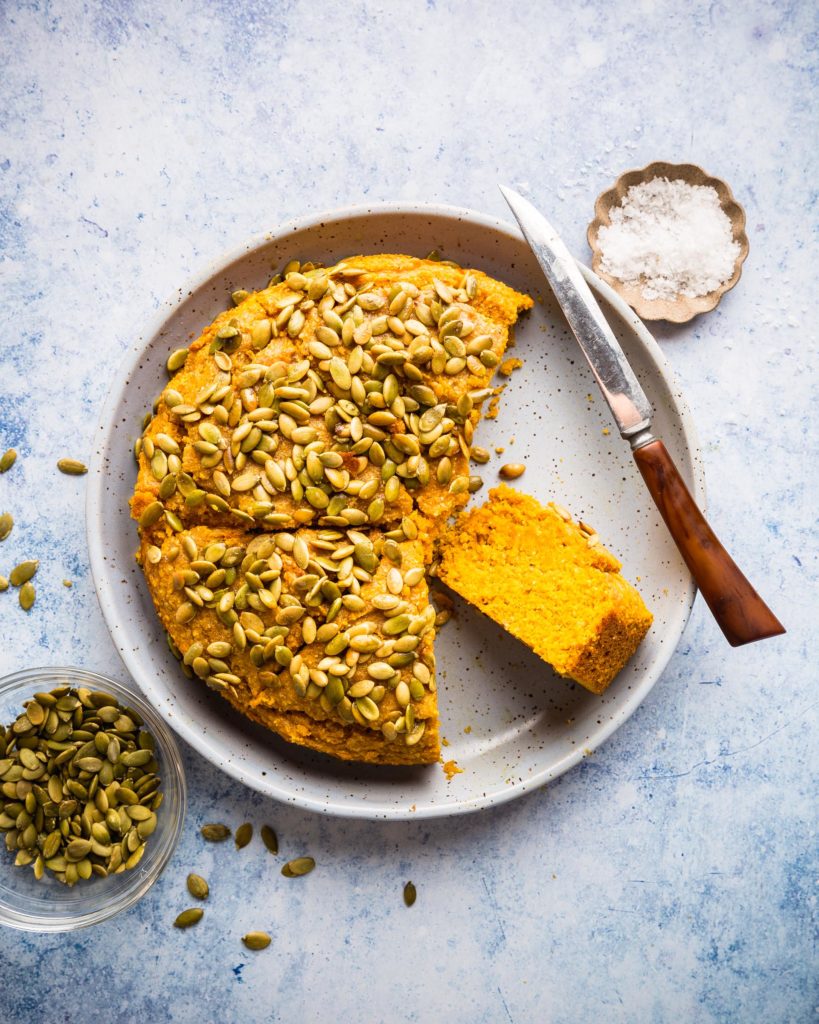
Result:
{"points": [[671, 877]]}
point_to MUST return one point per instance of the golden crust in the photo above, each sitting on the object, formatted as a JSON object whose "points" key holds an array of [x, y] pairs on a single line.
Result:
{"points": [[549, 582]]}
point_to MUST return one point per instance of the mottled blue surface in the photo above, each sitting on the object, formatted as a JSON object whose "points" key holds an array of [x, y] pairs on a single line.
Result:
{"points": [[672, 876]]}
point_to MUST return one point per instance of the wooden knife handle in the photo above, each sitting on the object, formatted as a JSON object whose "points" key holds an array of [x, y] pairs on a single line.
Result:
{"points": [[740, 612]]}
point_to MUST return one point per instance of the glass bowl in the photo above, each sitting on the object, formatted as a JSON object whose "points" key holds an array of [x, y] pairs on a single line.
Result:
{"points": [[47, 905]]}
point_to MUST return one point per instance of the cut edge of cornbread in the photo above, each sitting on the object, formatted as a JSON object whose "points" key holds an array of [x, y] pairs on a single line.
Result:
{"points": [[549, 582]]}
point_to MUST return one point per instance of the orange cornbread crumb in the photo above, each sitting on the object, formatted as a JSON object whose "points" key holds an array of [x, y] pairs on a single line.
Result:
{"points": [[508, 366], [549, 582]]}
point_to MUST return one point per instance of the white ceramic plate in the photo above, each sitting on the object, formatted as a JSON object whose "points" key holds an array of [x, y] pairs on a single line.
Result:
{"points": [[511, 724]]}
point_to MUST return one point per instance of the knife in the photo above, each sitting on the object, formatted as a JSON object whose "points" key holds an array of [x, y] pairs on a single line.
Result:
{"points": [[740, 612]]}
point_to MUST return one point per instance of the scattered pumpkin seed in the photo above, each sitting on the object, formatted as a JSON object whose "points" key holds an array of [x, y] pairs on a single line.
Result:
{"points": [[512, 470], [256, 940], [6, 524], [72, 467], [23, 572], [244, 833], [188, 918], [409, 894], [27, 596], [215, 833], [198, 887], [7, 460], [270, 839], [4, 583], [297, 867]]}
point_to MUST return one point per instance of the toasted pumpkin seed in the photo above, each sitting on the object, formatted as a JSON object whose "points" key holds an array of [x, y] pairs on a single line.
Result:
{"points": [[189, 917], [27, 596], [215, 833], [270, 839], [256, 940], [410, 894], [244, 833], [176, 360], [7, 460], [512, 470], [198, 887], [6, 524], [72, 467], [23, 572], [299, 866]]}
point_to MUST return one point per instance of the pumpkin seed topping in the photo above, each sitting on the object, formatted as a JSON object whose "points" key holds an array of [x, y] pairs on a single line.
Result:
{"points": [[339, 440], [256, 940]]}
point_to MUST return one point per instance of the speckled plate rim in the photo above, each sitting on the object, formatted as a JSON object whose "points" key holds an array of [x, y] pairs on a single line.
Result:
{"points": [[105, 589]]}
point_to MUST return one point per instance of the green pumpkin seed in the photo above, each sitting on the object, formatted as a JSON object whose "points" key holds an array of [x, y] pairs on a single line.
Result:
{"points": [[72, 467], [27, 596], [198, 887], [151, 514], [244, 833], [256, 940], [6, 524], [215, 833], [297, 867], [7, 460], [409, 894], [52, 793], [176, 360], [23, 572], [188, 918], [270, 839]]}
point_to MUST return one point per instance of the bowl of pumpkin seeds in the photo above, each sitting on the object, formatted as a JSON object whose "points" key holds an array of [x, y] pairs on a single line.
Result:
{"points": [[92, 798]]}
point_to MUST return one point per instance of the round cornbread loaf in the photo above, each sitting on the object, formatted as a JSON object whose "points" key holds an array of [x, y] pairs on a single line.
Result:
{"points": [[292, 479]]}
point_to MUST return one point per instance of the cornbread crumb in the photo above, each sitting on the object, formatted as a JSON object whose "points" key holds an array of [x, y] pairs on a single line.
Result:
{"points": [[451, 769], [549, 582], [508, 366]]}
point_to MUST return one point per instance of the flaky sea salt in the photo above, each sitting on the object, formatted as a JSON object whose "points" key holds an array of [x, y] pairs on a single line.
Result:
{"points": [[670, 238]]}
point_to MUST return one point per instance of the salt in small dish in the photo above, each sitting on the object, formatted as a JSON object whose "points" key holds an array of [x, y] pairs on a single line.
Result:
{"points": [[682, 308]]}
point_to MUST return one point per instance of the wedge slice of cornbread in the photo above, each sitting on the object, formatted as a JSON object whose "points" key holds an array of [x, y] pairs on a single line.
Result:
{"points": [[549, 582]]}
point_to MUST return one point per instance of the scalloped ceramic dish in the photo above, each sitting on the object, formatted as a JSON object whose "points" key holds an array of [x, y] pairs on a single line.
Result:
{"points": [[510, 723], [683, 308]]}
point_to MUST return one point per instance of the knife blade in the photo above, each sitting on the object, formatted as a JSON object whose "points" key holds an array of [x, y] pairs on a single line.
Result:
{"points": [[740, 612], [628, 402]]}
